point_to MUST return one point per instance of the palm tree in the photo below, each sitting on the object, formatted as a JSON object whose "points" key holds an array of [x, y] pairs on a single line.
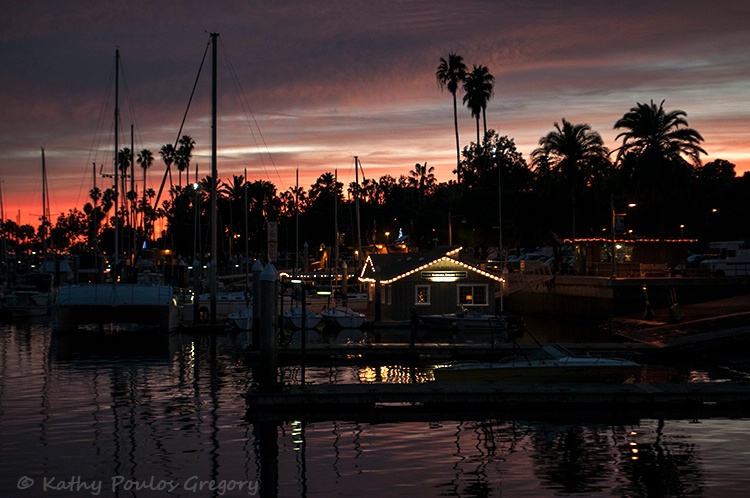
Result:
{"points": [[573, 153], [663, 136], [478, 90], [145, 160], [422, 178], [653, 152], [124, 162], [167, 153], [450, 74], [183, 154]]}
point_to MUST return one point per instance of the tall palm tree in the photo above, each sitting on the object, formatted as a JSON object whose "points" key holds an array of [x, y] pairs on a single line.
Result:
{"points": [[124, 163], [478, 90], [145, 160], [573, 153], [167, 153], [183, 154], [450, 73], [653, 154], [663, 136]]}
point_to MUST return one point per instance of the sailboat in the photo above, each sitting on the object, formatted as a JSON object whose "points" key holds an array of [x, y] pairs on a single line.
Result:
{"points": [[32, 294], [148, 302], [342, 316]]}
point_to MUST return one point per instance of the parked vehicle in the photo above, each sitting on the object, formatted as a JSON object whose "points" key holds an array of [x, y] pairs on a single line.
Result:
{"points": [[733, 259]]}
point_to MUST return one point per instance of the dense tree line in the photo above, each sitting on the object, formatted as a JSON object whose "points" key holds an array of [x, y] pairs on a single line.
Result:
{"points": [[569, 189]]}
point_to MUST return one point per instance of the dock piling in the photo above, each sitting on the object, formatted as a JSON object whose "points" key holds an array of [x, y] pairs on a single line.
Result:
{"points": [[268, 382]]}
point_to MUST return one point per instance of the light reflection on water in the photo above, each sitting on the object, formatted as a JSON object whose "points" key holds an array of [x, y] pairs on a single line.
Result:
{"points": [[169, 408]]}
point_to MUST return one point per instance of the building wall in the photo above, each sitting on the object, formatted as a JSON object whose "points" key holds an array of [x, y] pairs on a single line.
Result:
{"points": [[400, 297]]}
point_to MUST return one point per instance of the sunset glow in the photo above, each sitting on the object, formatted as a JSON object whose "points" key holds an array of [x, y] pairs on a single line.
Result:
{"points": [[317, 84]]}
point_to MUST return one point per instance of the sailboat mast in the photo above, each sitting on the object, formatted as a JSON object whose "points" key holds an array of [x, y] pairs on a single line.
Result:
{"points": [[247, 239], [336, 220], [356, 210], [116, 171], [131, 211], [215, 176], [296, 222], [44, 208]]}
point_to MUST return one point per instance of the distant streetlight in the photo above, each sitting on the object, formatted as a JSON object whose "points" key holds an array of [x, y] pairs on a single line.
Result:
{"points": [[387, 234]]}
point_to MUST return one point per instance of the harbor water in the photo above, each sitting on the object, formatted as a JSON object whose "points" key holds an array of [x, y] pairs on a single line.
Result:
{"points": [[151, 415]]}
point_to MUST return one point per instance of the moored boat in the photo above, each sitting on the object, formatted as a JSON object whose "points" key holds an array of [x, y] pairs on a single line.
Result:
{"points": [[292, 318], [464, 319], [31, 296], [242, 319], [557, 366], [141, 304], [342, 317], [504, 327]]}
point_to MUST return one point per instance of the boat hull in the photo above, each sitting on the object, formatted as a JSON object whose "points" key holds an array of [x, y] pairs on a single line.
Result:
{"points": [[24, 304], [542, 371], [242, 319], [99, 304], [292, 319], [484, 322], [342, 318]]}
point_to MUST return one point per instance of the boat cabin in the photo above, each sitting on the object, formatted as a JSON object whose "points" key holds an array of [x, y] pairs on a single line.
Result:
{"points": [[440, 281]]}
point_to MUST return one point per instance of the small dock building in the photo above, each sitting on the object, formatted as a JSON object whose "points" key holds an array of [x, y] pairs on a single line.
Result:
{"points": [[439, 281]]}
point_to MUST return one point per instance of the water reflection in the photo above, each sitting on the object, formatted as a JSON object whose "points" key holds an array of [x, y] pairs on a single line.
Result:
{"points": [[169, 407]]}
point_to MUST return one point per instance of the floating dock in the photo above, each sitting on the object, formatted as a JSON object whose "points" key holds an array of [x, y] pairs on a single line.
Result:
{"points": [[391, 353], [337, 401]]}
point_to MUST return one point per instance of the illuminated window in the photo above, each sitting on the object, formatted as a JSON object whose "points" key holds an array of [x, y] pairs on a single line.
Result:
{"points": [[472, 295], [422, 294]]}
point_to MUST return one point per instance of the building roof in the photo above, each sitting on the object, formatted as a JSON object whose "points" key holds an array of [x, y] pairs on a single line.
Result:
{"points": [[628, 240], [393, 267]]}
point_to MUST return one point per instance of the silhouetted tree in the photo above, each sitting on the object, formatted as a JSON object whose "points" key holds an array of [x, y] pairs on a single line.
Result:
{"points": [[183, 155], [653, 156], [450, 74], [478, 90], [422, 178], [573, 155]]}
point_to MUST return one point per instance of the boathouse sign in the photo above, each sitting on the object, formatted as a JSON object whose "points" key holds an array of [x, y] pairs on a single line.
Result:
{"points": [[443, 275]]}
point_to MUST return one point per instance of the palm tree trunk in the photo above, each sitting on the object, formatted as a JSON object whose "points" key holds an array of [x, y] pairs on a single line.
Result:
{"points": [[484, 121], [458, 146], [477, 130]]}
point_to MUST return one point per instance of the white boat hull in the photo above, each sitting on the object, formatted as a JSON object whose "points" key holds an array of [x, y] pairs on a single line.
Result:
{"points": [[292, 319], [23, 304], [564, 369], [87, 304], [343, 318]]}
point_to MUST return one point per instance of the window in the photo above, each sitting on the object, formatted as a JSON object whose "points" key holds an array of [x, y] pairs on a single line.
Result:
{"points": [[421, 294], [386, 293], [472, 295]]}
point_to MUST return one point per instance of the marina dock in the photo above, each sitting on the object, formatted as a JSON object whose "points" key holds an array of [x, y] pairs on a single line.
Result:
{"points": [[705, 325], [500, 400]]}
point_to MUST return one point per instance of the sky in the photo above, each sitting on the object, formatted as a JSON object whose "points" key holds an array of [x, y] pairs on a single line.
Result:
{"points": [[307, 85]]}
